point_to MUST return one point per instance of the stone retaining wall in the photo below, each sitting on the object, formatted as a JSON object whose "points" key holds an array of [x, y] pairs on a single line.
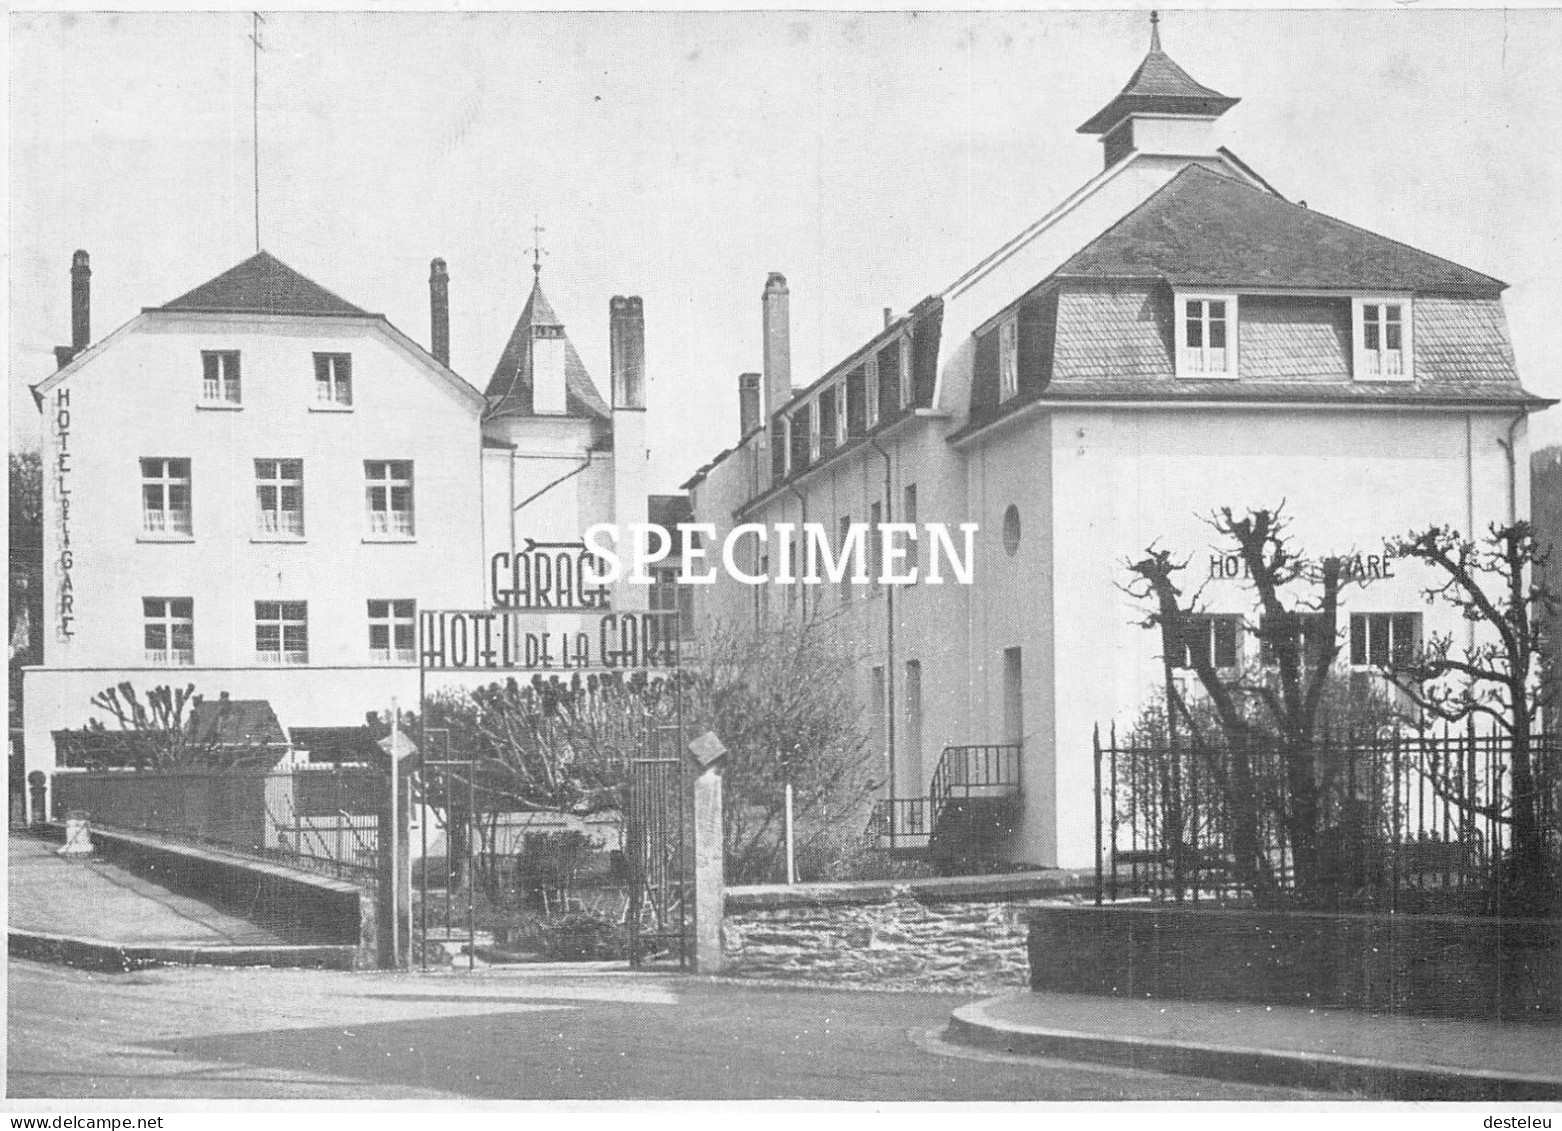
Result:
{"points": [[900, 943]]}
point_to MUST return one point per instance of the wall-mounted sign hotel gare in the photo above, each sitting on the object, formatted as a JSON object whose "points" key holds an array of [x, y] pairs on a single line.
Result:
{"points": [[1356, 567], [521, 640], [66, 612]]}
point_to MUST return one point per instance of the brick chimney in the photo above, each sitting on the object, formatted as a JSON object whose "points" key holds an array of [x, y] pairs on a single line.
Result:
{"points": [[626, 342], [748, 403], [81, 310], [439, 311], [778, 343], [631, 455]]}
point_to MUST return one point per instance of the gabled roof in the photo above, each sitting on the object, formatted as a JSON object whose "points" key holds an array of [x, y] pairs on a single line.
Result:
{"points": [[263, 284], [1205, 230], [1159, 86], [510, 389], [235, 722]]}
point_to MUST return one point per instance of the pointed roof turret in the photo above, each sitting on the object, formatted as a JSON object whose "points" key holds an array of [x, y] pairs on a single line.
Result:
{"points": [[510, 388], [1159, 86], [263, 284]]}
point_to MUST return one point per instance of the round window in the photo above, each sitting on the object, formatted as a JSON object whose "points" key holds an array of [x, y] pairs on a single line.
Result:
{"points": [[1011, 529]]}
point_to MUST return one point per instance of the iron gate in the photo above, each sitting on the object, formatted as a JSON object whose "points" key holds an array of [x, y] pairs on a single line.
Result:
{"points": [[656, 845]]}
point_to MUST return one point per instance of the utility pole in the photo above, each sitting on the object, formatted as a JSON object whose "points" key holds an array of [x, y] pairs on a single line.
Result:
{"points": [[791, 854], [394, 848], [255, 22]]}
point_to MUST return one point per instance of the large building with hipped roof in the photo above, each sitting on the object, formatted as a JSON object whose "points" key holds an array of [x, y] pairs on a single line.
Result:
{"points": [[1174, 337], [254, 488]]}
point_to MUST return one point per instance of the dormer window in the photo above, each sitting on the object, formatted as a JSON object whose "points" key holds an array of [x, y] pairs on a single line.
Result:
{"points": [[1008, 359], [1381, 327], [907, 392], [871, 381], [1206, 336], [840, 414], [827, 427]]}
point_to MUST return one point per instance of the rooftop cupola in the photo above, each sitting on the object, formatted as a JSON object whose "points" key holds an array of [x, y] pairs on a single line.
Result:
{"points": [[1162, 110]]}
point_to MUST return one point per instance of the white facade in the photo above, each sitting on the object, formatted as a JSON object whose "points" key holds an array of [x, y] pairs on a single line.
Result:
{"points": [[257, 503], [1172, 339], [138, 396]]}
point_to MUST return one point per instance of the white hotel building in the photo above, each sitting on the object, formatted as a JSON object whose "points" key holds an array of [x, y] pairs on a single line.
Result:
{"points": [[254, 487], [1172, 338]]}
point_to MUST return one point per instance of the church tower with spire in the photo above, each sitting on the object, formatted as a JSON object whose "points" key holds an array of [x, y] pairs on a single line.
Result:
{"points": [[557, 457]]}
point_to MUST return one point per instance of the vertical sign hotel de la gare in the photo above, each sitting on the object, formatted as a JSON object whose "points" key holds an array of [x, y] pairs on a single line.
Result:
{"points": [[61, 472], [552, 583]]}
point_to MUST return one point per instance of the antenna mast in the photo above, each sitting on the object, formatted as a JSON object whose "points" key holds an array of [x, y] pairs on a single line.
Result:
{"points": [[255, 23]]}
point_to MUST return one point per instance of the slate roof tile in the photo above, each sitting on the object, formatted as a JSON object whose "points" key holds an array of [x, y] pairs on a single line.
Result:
{"points": [[1293, 339], [263, 284], [510, 388], [1206, 230], [1159, 86]]}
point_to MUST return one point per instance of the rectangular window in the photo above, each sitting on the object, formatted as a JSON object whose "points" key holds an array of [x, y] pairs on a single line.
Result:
{"points": [[843, 531], [165, 496], [1206, 336], [1211, 637], [827, 430], [1308, 626], [800, 431], [857, 403], [871, 383], [675, 601], [393, 631], [889, 380], [908, 513], [334, 378], [907, 392], [1008, 359], [1013, 698], [1382, 329], [220, 376], [875, 544], [913, 736], [1384, 640], [664, 590], [388, 491], [282, 632], [169, 630], [279, 496], [840, 414], [878, 712], [778, 450]]}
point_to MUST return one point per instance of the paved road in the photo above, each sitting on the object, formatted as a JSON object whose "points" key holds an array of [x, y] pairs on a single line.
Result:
{"points": [[506, 1035]]}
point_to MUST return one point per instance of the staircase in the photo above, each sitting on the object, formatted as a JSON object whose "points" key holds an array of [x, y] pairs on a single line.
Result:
{"points": [[973, 803]]}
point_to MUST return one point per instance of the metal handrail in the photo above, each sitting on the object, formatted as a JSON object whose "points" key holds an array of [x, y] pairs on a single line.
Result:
{"points": [[964, 768]]}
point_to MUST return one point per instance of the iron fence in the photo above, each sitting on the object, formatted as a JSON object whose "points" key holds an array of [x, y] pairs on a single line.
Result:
{"points": [[1399, 821]]}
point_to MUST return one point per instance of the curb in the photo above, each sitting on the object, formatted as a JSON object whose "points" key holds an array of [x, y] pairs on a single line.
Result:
{"points": [[118, 958], [972, 1026]]}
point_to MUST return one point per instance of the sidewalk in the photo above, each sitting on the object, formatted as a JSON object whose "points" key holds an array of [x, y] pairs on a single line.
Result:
{"points": [[87, 912], [1370, 1055]]}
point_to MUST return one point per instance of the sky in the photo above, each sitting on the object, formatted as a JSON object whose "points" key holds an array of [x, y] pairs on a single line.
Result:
{"points": [[870, 157]]}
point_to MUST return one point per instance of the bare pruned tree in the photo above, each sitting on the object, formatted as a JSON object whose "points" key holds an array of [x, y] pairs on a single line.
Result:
{"points": [[1297, 626], [161, 733], [1496, 585]]}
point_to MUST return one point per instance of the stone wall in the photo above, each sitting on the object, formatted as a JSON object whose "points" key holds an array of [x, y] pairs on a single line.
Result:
{"points": [[898, 943]]}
